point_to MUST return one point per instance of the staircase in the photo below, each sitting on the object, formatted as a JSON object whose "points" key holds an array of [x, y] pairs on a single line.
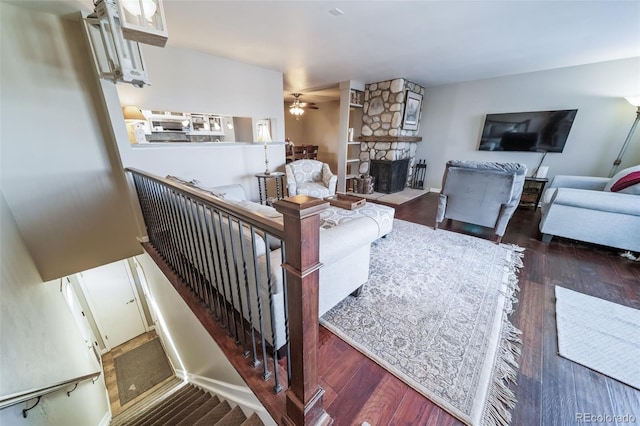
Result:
{"points": [[180, 403]]}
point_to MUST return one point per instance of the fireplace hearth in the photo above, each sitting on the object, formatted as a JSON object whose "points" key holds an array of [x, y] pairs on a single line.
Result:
{"points": [[389, 176]]}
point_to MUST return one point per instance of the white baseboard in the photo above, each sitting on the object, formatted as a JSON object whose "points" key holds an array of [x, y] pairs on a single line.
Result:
{"points": [[106, 419], [180, 374], [436, 190]]}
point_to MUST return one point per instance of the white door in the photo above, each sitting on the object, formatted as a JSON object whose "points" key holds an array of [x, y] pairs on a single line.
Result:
{"points": [[113, 300]]}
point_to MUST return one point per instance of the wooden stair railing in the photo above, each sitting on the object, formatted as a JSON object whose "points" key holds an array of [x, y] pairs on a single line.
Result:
{"points": [[302, 233], [191, 238]]}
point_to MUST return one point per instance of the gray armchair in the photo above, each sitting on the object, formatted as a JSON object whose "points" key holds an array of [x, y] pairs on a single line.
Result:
{"points": [[482, 193]]}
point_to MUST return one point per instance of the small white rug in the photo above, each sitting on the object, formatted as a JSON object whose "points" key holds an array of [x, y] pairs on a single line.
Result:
{"points": [[600, 335], [396, 198]]}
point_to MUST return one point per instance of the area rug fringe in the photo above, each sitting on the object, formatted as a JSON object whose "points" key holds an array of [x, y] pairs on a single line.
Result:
{"points": [[501, 399]]}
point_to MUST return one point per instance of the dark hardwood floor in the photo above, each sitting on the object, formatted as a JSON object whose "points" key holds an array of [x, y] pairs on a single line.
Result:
{"points": [[551, 390]]}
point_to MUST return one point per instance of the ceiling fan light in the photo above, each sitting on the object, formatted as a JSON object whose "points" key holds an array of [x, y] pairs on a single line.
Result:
{"points": [[296, 110]]}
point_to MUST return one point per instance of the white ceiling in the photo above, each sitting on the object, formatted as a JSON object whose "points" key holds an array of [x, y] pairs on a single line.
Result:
{"points": [[428, 42]]}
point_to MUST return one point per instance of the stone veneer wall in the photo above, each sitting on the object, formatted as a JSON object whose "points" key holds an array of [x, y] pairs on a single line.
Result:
{"points": [[384, 106], [383, 111]]}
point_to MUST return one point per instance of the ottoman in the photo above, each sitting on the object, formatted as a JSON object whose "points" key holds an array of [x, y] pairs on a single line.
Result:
{"points": [[382, 215]]}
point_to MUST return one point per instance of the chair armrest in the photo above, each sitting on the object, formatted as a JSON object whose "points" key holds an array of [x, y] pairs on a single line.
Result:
{"points": [[613, 202], [579, 182], [333, 182], [329, 179], [291, 181]]}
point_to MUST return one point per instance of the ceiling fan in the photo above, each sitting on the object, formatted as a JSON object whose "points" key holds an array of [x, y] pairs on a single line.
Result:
{"points": [[297, 107]]}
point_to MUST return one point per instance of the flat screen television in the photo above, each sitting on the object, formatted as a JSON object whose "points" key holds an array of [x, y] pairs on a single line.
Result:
{"points": [[537, 131]]}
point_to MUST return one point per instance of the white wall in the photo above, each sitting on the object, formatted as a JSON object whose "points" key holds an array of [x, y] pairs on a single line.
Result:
{"points": [[41, 344], [322, 129], [62, 182], [453, 116], [190, 81], [198, 352]]}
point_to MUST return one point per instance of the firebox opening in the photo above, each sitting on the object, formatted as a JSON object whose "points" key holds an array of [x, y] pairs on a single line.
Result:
{"points": [[389, 176]]}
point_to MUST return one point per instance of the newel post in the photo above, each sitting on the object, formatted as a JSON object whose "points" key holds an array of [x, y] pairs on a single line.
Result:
{"points": [[302, 230]]}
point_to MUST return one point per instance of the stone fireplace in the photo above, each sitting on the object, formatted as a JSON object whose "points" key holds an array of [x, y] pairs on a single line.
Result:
{"points": [[383, 137]]}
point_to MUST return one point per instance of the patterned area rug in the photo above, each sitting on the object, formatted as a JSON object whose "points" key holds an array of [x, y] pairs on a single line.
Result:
{"points": [[434, 313], [599, 334]]}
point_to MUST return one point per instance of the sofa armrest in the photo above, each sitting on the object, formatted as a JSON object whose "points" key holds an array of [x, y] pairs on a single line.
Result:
{"points": [[339, 241], [233, 192], [613, 202], [579, 182]]}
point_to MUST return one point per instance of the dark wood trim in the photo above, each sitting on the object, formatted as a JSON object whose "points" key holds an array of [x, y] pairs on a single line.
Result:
{"points": [[301, 216]]}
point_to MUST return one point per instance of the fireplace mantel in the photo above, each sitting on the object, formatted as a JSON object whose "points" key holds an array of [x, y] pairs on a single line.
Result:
{"points": [[390, 138]]}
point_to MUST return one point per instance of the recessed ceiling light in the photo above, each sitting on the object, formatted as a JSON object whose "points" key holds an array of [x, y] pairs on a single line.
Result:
{"points": [[336, 12]]}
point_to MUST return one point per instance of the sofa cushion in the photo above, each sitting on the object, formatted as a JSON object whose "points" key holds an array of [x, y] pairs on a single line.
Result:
{"points": [[313, 189], [260, 209], [382, 215], [196, 184], [626, 181]]}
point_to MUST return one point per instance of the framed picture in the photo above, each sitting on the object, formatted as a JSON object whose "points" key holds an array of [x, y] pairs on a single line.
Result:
{"points": [[412, 111]]}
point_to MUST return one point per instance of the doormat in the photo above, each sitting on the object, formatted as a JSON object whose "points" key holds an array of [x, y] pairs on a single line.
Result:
{"points": [[599, 334], [395, 198], [140, 369]]}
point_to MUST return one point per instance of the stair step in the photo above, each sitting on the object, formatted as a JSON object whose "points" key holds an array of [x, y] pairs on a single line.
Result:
{"points": [[200, 411], [213, 416], [253, 420], [234, 417], [157, 412], [148, 412], [178, 403], [157, 396], [174, 417]]}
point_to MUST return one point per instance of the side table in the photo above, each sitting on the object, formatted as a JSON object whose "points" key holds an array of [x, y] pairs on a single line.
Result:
{"points": [[532, 191], [263, 187]]}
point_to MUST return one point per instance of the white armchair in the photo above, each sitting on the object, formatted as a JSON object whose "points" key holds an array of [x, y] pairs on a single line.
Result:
{"points": [[310, 177], [584, 208]]}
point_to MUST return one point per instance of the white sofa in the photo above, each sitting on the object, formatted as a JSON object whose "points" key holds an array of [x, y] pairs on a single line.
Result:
{"points": [[344, 253], [581, 208]]}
